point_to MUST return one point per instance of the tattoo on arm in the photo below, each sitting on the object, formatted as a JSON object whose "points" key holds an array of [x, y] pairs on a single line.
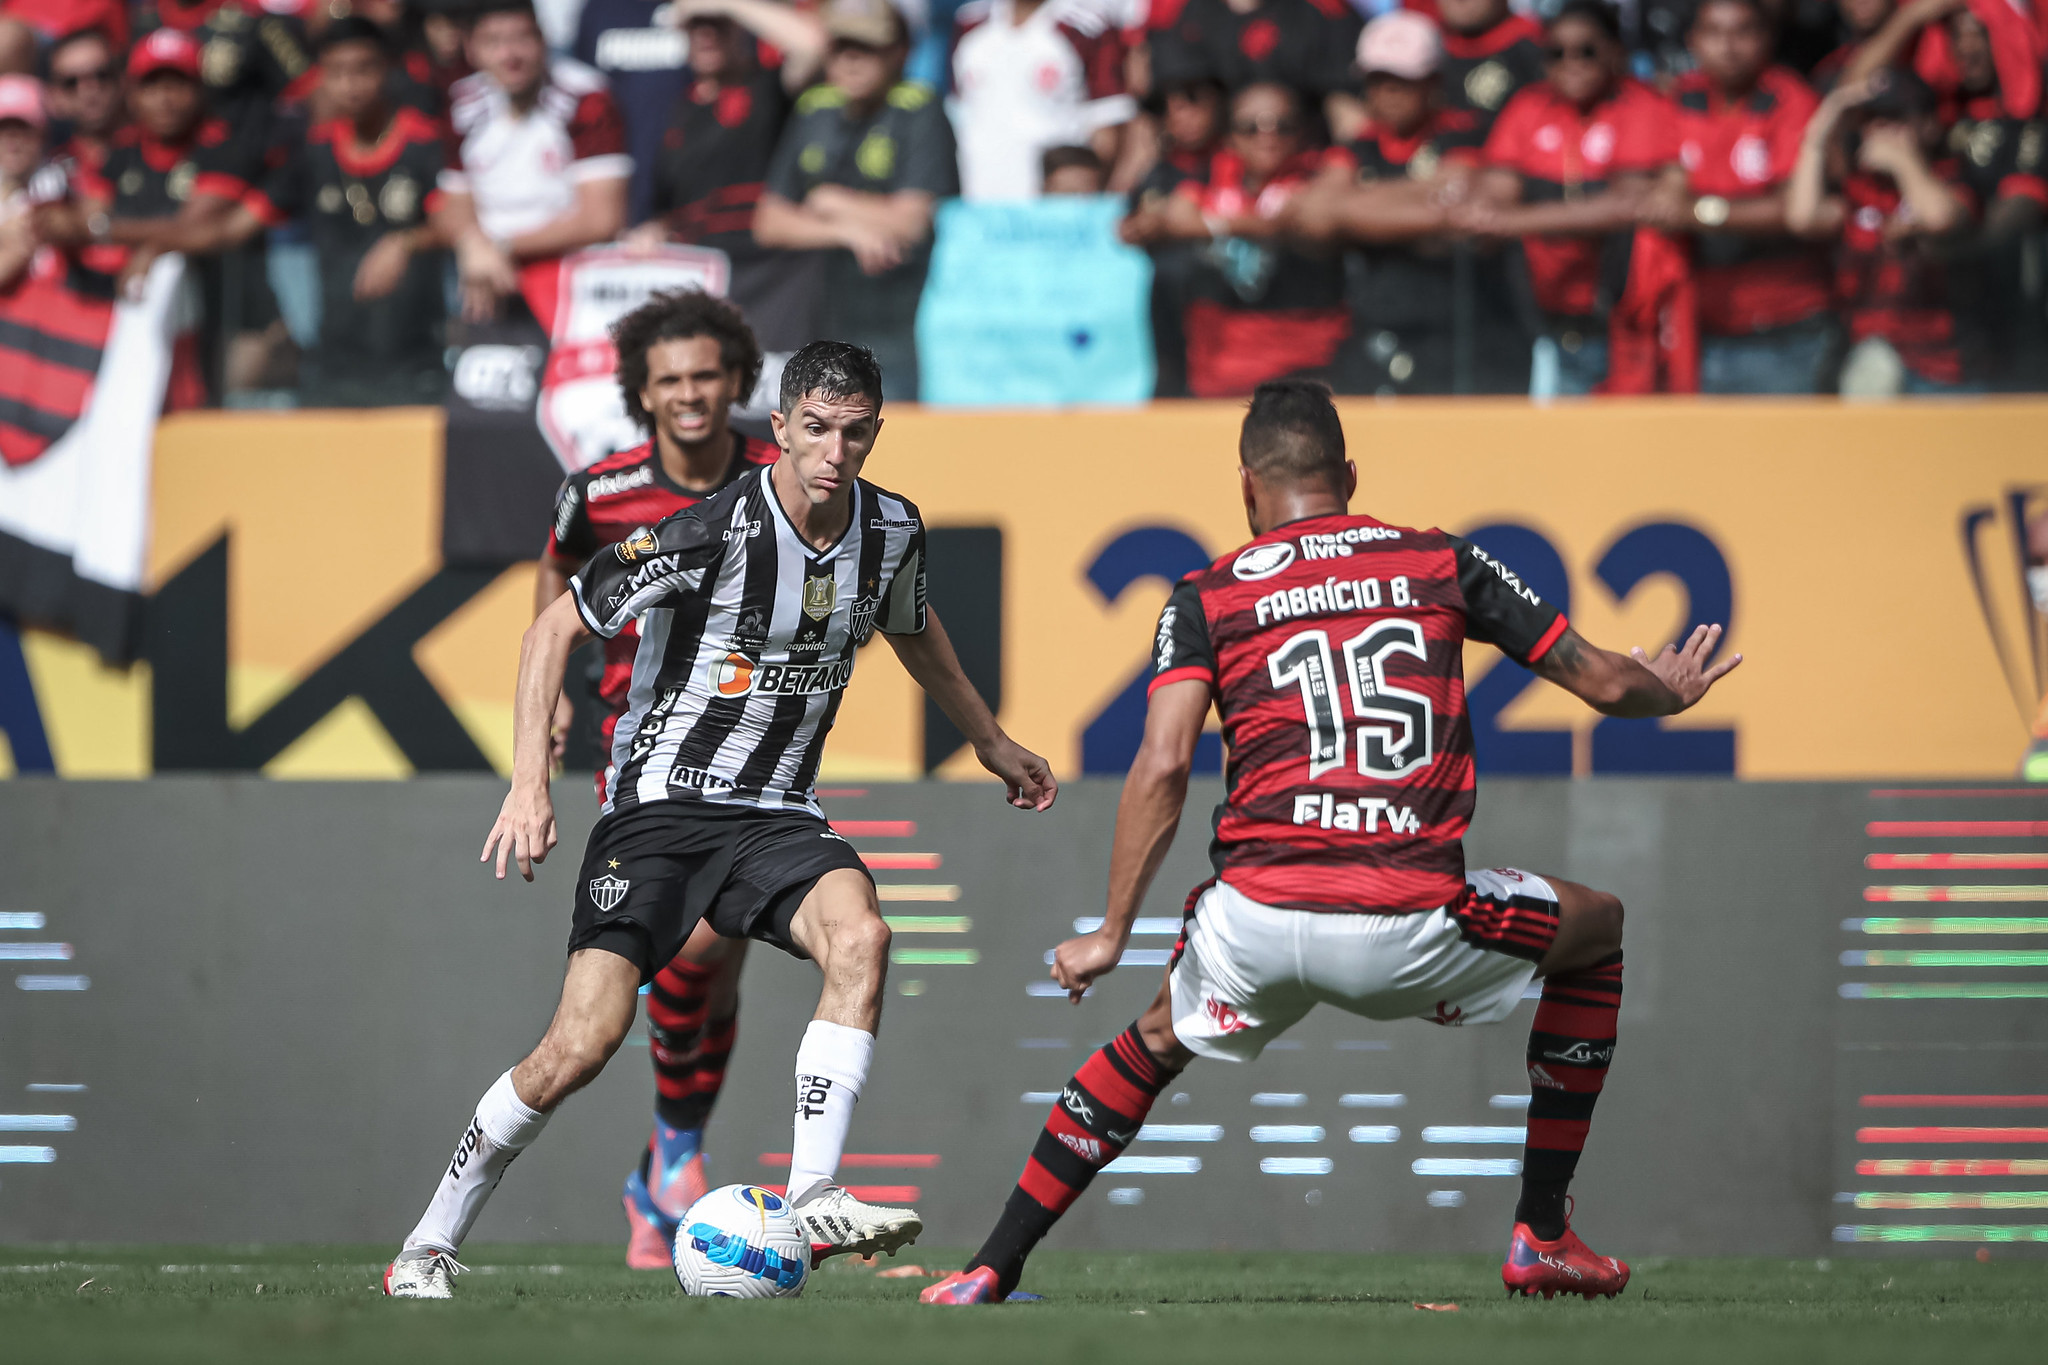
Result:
{"points": [[1565, 658]]}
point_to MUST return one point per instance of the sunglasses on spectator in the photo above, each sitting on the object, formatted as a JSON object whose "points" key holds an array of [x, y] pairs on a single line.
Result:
{"points": [[1252, 127], [102, 75], [1585, 52]]}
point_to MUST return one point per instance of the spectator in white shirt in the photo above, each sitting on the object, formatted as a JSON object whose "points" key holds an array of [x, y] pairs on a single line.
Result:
{"points": [[1029, 75], [537, 163]]}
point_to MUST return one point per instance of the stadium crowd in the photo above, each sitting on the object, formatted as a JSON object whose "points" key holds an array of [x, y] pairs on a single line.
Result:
{"points": [[1728, 196]]}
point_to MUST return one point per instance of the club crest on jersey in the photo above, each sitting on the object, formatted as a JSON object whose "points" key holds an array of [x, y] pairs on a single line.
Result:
{"points": [[641, 542], [607, 891], [862, 618], [1263, 561], [820, 596]]}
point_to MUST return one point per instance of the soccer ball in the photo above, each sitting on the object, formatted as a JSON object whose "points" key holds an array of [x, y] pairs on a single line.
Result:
{"points": [[740, 1242]]}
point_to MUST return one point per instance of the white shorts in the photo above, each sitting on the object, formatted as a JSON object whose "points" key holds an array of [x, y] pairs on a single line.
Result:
{"points": [[1247, 972]]}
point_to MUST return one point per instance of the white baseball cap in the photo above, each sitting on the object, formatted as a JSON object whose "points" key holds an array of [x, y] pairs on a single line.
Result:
{"points": [[1400, 43]]}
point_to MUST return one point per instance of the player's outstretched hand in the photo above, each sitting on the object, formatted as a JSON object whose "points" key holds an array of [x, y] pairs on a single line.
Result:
{"points": [[1027, 776], [1684, 669], [1079, 961], [524, 833]]}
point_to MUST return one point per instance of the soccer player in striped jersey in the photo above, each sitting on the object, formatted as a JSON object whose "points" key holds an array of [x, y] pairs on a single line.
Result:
{"points": [[684, 359], [1332, 647], [750, 606]]}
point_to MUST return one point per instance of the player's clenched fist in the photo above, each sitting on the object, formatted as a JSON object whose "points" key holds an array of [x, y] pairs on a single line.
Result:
{"points": [[1077, 962], [524, 832]]}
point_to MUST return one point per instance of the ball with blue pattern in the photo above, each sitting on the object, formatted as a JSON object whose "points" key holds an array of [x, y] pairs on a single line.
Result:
{"points": [[741, 1242]]}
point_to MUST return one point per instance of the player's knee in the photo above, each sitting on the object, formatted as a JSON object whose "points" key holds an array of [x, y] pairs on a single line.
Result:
{"points": [[1607, 918], [861, 939], [572, 1060]]}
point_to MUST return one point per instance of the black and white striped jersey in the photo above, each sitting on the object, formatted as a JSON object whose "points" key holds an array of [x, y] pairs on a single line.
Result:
{"points": [[747, 639]]}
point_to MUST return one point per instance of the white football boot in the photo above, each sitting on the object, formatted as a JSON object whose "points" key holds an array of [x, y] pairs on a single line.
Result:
{"points": [[839, 1225], [422, 1273]]}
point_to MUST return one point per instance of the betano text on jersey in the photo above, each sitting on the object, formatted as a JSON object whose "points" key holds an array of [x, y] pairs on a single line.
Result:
{"points": [[747, 640]]}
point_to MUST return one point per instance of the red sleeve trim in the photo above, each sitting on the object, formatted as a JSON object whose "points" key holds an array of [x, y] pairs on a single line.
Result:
{"points": [[301, 89], [1550, 637], [221, 185], [1185, 673], [267, 213], [2022, 186]]}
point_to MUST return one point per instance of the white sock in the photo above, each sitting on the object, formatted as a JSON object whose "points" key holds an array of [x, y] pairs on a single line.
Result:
{"points": [[502, 1128], [831, 1067]]}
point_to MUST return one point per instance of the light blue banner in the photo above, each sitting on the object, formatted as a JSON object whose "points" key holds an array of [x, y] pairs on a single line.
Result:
{"points": [[1035, 304]]}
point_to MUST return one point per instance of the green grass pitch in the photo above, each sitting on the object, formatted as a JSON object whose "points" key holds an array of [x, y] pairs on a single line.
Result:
{"points": [[561, 1304]]}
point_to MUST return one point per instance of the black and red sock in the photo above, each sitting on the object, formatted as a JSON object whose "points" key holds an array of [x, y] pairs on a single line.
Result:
{"points": [[689, 1049], [1098, 1114], [1570, 1047]]}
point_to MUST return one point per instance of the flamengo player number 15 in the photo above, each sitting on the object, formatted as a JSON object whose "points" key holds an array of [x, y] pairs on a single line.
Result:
{"points": [[1395, 726]]}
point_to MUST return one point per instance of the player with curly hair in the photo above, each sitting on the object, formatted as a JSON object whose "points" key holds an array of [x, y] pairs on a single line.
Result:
{"points": [[685, 358]]}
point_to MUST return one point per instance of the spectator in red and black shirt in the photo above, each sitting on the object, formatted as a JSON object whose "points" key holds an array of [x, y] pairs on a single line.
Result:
{"points": [[254, 57], [175, 170], [1871, 179], [1384, 195], [1189, 117], [1764, 305], [2005, 164], [1303, 44], [86, 105], [1263, 307], [1569, 164], [723, 128], [1490, 54], [1920, 37], [363, 181]]}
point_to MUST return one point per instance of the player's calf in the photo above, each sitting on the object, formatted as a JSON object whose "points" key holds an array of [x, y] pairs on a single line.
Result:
{"points": [[1099, 1113], [840, 925], [596, 1009]]}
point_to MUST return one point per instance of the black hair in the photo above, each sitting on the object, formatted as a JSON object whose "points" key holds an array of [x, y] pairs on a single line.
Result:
{"points": [[1292, 433], [1294, 95], [831, 370], [1060, 158], [677, 316], [353, 28], [1755, 7], [486, 8], [1598, 13]]}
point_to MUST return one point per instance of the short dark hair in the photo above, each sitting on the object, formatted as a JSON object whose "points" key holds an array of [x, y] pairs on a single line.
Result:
{"points": [[1061, 158], [1755, 7], [1292, 433], [353, 28], [831, 369], [1598, 13], [485, 9], [679, 315]]}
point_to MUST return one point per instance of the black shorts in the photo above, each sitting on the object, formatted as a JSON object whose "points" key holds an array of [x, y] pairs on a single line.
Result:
{"points": [[650, 873]]}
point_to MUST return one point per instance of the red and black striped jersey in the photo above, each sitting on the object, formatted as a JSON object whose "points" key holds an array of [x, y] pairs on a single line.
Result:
{"points": [[609, 501], [1334, 646]]}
